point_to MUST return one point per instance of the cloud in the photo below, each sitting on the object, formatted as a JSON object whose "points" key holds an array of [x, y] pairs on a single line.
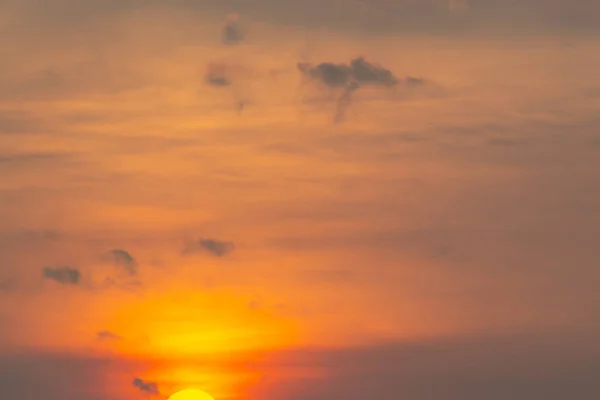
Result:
{"points": [[63, 275], [123, 259], [232, 31], [108, 336], [148, 387], [352, 76], [217, 75], [215, 247], [356, 73]]}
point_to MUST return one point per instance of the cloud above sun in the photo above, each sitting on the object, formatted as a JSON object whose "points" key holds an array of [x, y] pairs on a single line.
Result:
{"points": [[146, 386]]}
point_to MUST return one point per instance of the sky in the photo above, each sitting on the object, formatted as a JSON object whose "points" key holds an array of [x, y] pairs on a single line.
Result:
{"points": [[299, 200]]}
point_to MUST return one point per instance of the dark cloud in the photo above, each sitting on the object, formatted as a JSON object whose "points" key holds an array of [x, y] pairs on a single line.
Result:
{"points": [[233, 32], [365, 72], [215, 247], [108, 336], [148, 387], [123, 259], [63, 275], [217, 75], [332, 75], [358, 72], [352, 76]]}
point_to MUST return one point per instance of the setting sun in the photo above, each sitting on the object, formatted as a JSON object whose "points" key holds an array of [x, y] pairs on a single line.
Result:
{"points": [[191, 394]]}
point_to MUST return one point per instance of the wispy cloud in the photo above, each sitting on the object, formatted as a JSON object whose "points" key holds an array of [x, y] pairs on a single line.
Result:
{"points": [[108, 336], [214, 247]]}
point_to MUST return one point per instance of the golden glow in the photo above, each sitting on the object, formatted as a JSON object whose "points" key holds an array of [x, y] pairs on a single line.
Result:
{"points": [[191, 394], [190, 323]]}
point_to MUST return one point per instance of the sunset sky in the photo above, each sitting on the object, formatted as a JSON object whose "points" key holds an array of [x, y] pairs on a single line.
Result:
{"points": [[300, 200]]}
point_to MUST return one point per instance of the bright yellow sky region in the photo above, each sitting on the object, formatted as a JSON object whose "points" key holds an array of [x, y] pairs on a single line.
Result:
{"points": [[191, 394], [257, 224], [200, 323]]}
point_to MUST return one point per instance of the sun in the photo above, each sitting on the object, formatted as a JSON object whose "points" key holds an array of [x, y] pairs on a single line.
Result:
{"points": [[191, 394]]}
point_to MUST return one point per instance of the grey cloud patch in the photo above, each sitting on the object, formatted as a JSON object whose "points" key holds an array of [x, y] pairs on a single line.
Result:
{"points": [[108, 336], [352, 76], [232, 33], [365, 72], [123, 259], [63, 275], [215, 247], [217, 75], [358, 72], [144, 386]]}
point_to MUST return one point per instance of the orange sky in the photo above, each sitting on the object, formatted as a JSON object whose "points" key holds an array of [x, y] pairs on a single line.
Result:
{"points": [[193, 232]]}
